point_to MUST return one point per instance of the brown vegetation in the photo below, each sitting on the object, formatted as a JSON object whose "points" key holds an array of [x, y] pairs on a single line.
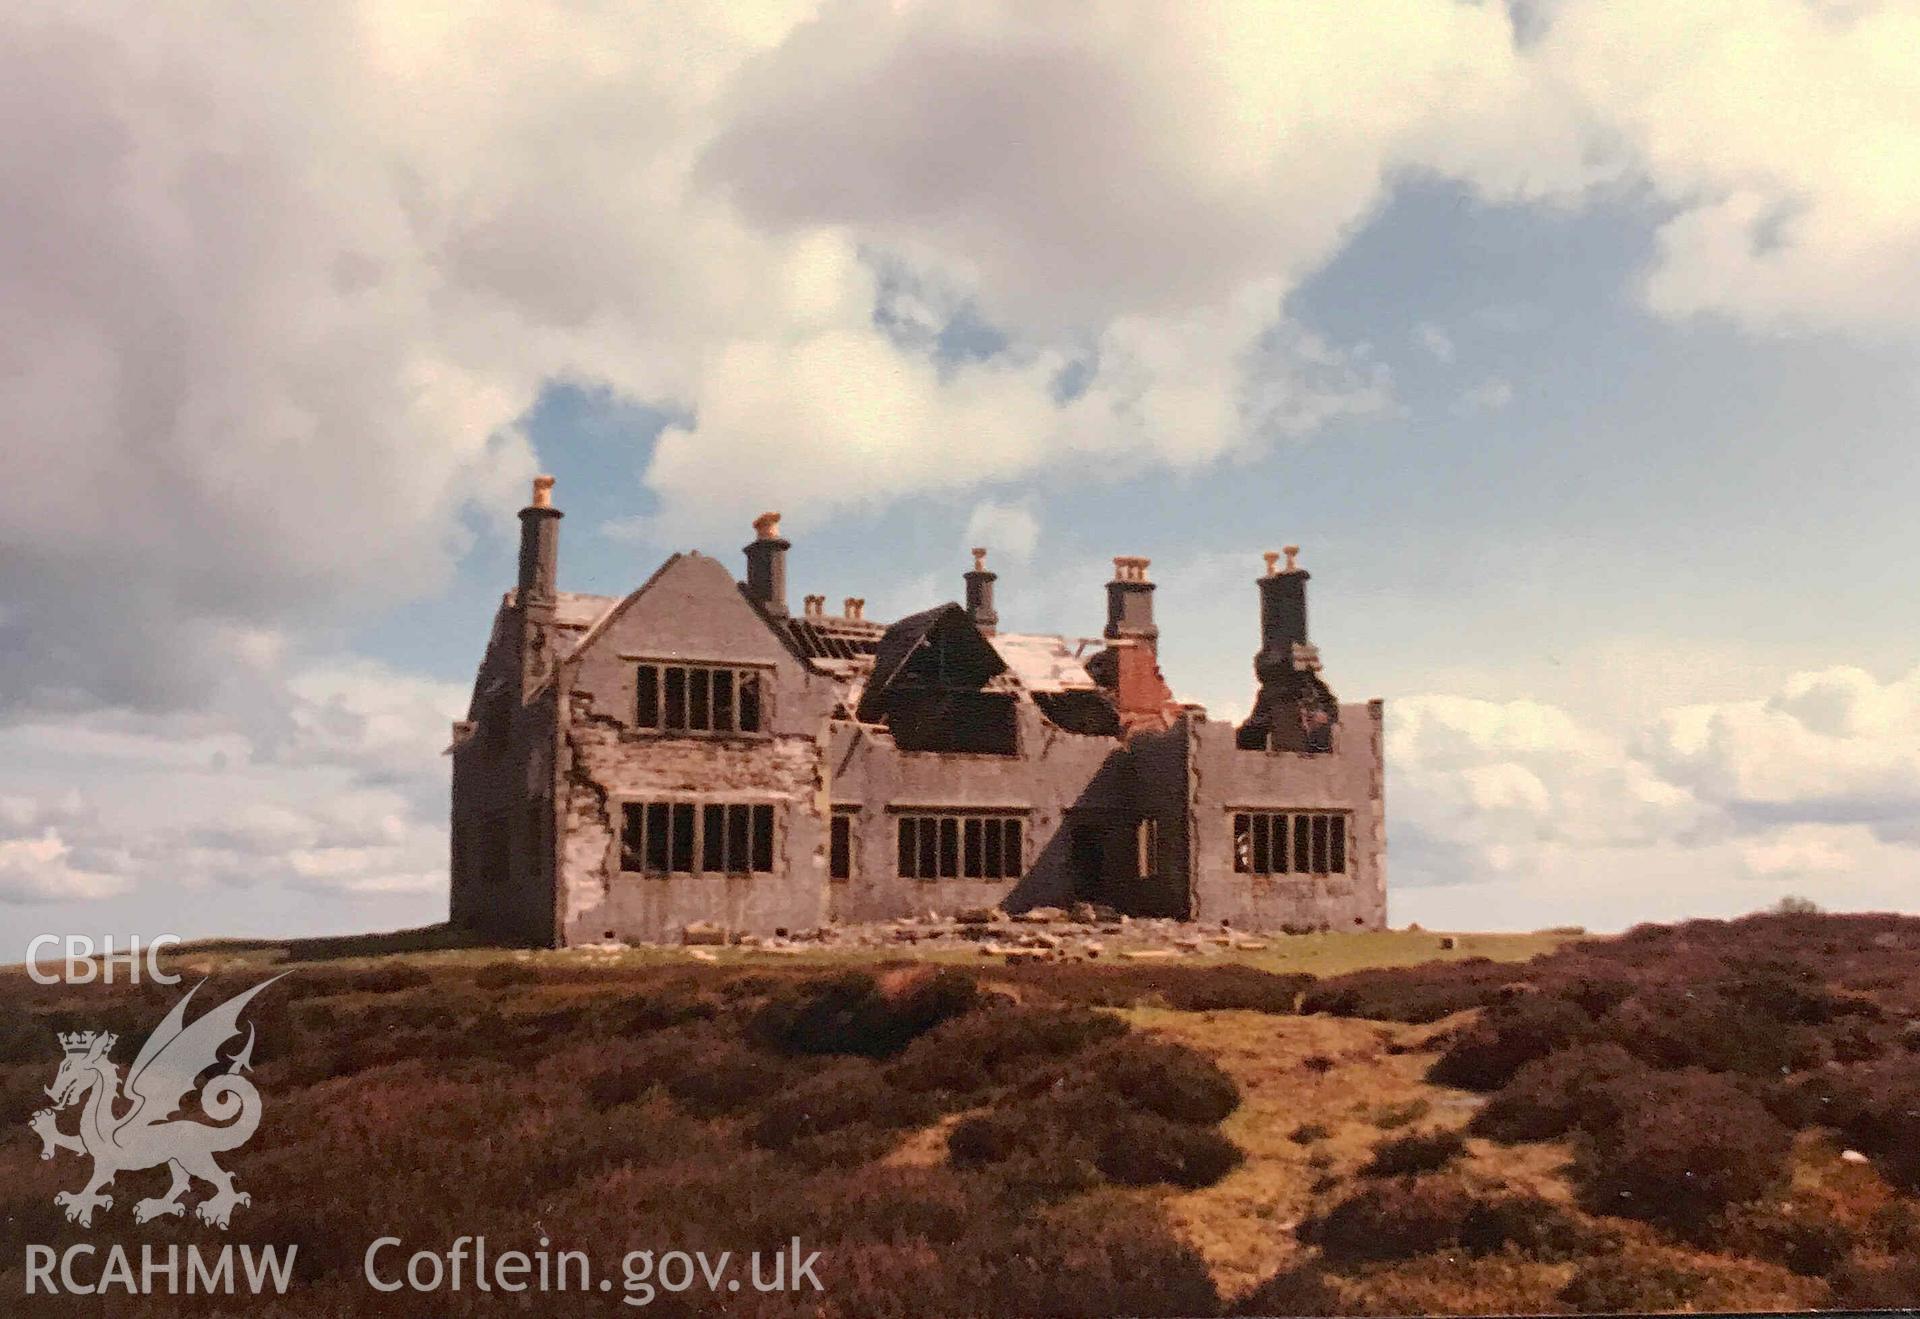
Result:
{"points": [[1649, 1122]]}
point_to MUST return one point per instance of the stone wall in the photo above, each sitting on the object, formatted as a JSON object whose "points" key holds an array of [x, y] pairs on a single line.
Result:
{"points": [[1349, 778], [691, 611], [1056, 772]]}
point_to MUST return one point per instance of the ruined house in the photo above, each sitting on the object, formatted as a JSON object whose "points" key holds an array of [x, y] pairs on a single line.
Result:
{"points": [[697, 752]]}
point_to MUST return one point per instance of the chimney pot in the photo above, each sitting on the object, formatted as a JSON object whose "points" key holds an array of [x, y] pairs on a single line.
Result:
{"points": [[767, 526], [1272, 557], [1292, 553], [542, 492]]}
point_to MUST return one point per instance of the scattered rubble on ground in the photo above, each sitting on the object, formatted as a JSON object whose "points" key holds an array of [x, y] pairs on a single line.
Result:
{"points": [[1081, 933]]}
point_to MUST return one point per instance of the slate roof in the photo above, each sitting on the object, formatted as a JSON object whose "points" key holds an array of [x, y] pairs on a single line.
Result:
{"points": [[1043, 664]]}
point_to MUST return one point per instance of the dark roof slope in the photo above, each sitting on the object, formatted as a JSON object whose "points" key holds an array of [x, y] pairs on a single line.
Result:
{"points": [[951, 625]]}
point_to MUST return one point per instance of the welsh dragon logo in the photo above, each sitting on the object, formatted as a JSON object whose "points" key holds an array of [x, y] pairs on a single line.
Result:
{"points": [[145, 1133]]}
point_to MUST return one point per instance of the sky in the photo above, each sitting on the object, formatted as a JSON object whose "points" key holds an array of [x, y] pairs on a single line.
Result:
{"points": [[1575, 342]]}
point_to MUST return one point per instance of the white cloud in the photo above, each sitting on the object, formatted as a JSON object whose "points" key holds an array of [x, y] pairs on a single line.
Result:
{"points": [[1490, 395], [280, 283], [1835, 746], [328, 778], [37, 863], [282, 286], [1782, 132], [1814, 790], [1806, 851], [1005, 529], [1495, 785], [1435, 340]]}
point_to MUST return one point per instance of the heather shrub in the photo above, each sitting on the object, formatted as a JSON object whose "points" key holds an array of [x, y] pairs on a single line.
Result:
{"points": [[1170, 1080], [1485, 1055], [1141, 1149], [1413, 994], [671, 1005], [1576, 1087], [619, 1085], [1233, 988], [1308, 1133], [1685, 1147], [500, 975], [1882, 1117], [1228, 987], [1300, 1290], [838, 1098], [387, 978], [1422, 1151], [853, 1012], [1630, 1282], [1700, 1027], [1800, 1235], [1877, 1282], [1410, 1216], [1138, 1111], [1522, 1222], [1029, 1156], [731, 1078], [997, 1045]]}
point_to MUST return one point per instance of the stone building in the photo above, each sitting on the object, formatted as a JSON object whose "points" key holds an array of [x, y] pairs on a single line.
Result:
{"points": [[695, 751]]}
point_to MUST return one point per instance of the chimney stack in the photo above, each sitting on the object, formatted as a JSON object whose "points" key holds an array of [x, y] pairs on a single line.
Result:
{"points": [[767, 565], [980, 592], [1130, 603], [539, 545], [534, 593], [1284, 647]]}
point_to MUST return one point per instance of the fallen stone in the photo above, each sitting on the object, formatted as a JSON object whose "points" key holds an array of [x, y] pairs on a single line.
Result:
{"points": [[975, 916], [705, 932], [703, 954], [1251, 945], [1853, 1156], [1041, 915], [1151, 954], [1026, 954]]}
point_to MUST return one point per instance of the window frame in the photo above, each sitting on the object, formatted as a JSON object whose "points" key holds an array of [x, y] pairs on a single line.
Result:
{"points": [[980, 844], [679, 689], [748, 833], [843, 853], [1268, 842]]}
